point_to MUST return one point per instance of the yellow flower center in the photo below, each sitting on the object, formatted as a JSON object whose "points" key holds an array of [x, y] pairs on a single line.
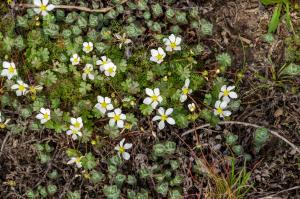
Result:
{"points": [[219, 110], [88, 48], [74, 132], [185, 91], [77, 125], [164, 117], [43, 7], [21, 87], [46, 116], [117, 117], [11, 69], [88, 70], [104, 62], [159, 57], [111, 70], [173, 45], [154, 97], [121, 149], [104, 104], [75, 60], [226, 93]]}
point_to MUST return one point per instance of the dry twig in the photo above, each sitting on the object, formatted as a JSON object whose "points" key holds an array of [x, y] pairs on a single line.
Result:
{"points": [[244, 124]]}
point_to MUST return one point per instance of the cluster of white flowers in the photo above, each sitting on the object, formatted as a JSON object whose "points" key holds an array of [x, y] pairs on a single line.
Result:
{"points": [[75, 127], [172, 44], [225, 95]]}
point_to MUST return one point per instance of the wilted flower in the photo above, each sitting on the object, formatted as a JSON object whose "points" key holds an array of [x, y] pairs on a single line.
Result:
{"points": [[192, 107], [88, 47], [104, 104], [157, 55], [185, 90], [9, 70], [154, 97], [121, 149], [227, 93], [164, 116], [75, 132], [75, 59], [87, 72], [102, 62], [43, 7], [220, 107], [77, 123], [172, 43], [110, 69], [20, 87], [44, 115], [122, 39], [3, 122], [76, 160], [117, 117]]}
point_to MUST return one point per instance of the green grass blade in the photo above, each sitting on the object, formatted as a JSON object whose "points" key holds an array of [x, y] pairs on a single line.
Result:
{"points": [[275, 19]]}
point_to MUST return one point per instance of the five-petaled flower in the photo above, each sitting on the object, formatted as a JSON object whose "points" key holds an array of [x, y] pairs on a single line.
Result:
{"points": [[104, 104], [44, 115], [42, 7], [172, 43], [88, 47], [110, 69], [185, 90], [226, 93], [9, 70], [102, 62], [77, 123], [75, 59], [154, 97], [75, 132], [164, 116], [121, 149], [117, 117], [87, 72], [220, 107], [20, 87], [157, 55], [76, 160]]}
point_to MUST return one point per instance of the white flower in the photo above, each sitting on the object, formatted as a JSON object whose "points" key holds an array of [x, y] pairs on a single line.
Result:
{"points": [[87, 72], [75, 59], [154, 97], [43, 7], [192, 107], [122, 39], [117, 117], [110, 69], [164, 116], [185, 90], [9, 70], [157, 55], [76, 160], [44, 115], [219, 109], [227, 93], [75, 132], [20, 87], [104, 104], [172, 43], [121, 149], [102, 62], [88, 47], [77, 123]]}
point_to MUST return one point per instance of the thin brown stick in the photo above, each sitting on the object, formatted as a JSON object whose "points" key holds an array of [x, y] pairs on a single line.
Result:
{"points": [[69, 7], [286, 190], [244, 124]]}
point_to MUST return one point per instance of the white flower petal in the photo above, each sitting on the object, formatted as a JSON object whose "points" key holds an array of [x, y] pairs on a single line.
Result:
{"points": [[39, 116], [161, 111], [127, 146], [171, 121], [155, 118], [227, 113], [37, 2], [169, 111], [50, 7], [149, 92], [233, 95], [120, 123], [126, 155], [161, 125]]}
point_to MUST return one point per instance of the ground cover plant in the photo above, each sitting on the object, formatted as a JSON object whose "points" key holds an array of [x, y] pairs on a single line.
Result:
{"points": [[139, 99]]}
